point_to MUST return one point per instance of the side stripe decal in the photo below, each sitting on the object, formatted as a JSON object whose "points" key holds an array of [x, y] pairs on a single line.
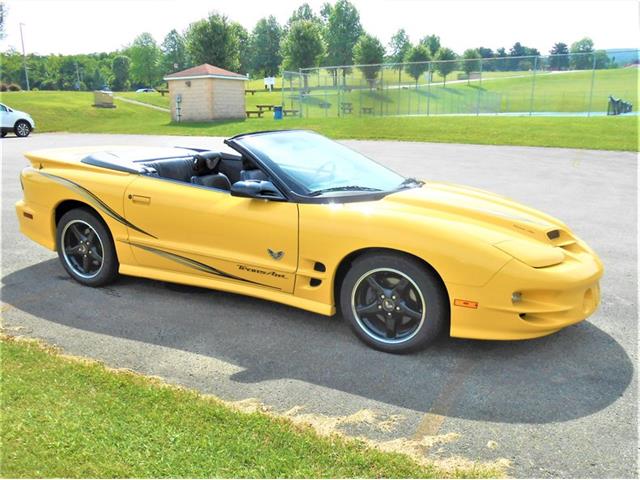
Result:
{"points": [[189, 262], [95, 201]]}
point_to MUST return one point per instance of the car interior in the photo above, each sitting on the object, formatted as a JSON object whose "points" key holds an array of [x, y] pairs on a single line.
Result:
{"points": [[217, 170]]}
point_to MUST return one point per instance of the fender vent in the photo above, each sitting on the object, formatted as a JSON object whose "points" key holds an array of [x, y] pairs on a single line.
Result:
{"points": [[553, 234], [314, 282], [319, 267]]}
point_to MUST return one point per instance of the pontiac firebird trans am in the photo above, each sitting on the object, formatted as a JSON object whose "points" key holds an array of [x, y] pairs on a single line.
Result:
{"points": [[296, 218]]}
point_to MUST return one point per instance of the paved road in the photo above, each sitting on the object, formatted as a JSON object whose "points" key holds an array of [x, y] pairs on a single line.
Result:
{"points": [[562, 406]]}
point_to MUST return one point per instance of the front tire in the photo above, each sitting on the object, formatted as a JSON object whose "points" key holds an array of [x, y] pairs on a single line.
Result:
{"points": [[22, 128], [393, 302], [86, 249]]}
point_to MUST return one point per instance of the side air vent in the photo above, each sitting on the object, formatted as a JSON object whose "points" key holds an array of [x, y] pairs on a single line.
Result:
{"points": [[553, 234], [314, 282], [319, 267]]}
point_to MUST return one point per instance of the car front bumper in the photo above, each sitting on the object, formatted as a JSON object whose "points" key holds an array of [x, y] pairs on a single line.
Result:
{"points": [[545, 301]]}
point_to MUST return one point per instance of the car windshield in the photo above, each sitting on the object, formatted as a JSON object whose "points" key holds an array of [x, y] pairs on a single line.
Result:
{"points": [[314, 165]]}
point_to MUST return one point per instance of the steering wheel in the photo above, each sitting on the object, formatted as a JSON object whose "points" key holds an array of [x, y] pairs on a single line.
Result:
{"points": [[324, 172]]}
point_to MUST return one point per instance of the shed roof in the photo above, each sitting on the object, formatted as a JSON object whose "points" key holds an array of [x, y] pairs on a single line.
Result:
{"points": [[205, 71]]}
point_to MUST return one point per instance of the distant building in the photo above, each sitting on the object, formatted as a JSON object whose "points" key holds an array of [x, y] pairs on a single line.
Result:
{"points": [[205, 93]]}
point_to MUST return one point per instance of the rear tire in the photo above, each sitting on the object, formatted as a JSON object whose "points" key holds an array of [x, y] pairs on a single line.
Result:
{"points": [[86, 249], [394, 303], [22, 128], [3, 134]]}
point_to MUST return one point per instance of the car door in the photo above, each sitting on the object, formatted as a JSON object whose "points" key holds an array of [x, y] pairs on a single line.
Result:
{"points": [[181, 227], [4, 117]]}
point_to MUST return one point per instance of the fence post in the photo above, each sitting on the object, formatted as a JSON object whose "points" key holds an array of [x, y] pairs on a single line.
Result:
{"points": [[429, 90], [593, 79], [533, 85]]}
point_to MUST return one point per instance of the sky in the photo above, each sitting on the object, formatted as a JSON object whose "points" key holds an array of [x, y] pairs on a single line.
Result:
{"points": [[85, 26]]}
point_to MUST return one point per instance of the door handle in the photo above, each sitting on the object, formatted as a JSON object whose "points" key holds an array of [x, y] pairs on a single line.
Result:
{"points": [[140, 199]]}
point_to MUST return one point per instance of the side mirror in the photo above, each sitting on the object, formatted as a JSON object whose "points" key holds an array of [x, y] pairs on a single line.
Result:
{"points": [[256, 189]]}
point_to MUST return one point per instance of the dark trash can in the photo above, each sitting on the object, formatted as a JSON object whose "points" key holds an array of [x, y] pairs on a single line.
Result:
{"points": [[277, 112]]}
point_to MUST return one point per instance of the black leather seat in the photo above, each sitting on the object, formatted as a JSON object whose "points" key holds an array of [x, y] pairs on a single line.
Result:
{"points": [[176, 168], [215, 180]]}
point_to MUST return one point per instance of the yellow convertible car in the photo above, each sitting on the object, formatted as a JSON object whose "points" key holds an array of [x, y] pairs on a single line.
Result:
{"points": [[294, 217]]}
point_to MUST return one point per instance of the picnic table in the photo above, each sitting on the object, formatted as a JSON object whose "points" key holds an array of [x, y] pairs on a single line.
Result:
{"points": [[264, 106], [162, 91], [251, 91], [346, 107], [257, 113], [366, 110], [290, 111]]}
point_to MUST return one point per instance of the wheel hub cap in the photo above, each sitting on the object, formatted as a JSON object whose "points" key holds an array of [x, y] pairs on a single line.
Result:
{"points": [[388, 305]]}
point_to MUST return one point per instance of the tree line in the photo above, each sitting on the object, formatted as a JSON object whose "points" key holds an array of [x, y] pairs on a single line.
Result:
{"points": [[332, 36]]}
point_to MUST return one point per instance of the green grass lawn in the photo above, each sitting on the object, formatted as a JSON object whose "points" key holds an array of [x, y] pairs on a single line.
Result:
{"points": [[67, 418], [152, 98], [72, 112]]}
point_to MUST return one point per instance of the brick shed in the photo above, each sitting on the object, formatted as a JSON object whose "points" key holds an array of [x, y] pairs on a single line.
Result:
{"points": [[205, 93]]}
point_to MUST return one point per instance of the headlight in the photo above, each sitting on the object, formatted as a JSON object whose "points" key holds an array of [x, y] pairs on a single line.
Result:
{"points": [[532, 253]]}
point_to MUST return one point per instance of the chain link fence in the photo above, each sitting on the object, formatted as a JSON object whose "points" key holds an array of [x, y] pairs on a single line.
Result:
{"points": [[555, 85]]}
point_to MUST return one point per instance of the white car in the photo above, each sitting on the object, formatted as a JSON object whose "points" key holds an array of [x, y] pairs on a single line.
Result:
{"points": [[15, 121], [145, 90]]}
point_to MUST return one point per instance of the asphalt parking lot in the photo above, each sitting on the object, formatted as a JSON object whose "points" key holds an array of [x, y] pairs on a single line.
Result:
{"points": [[560, 406]]}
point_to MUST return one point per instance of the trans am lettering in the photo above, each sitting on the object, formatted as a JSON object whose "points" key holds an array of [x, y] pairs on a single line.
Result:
{"points": [[261, 272]]}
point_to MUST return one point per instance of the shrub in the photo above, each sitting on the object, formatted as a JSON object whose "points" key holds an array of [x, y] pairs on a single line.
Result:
{"points": [[48, 85], [3, 87], [13, 87]]}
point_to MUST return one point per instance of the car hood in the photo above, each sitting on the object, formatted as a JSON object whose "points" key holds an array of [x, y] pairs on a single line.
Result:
{"points": [[498, 217]]}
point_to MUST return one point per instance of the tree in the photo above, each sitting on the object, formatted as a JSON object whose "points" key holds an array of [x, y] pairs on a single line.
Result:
{"points": [[325, 11], [471, 62], [419, 53], [518, 50], [303, 12], [145, 61], [368, 52], [120, 69], [582, 48], [602, 59], [487, 53], [244, 52], [303, 46], [446, 62], [501, 62], [561, 61], [214, 40], [174, 53], [399, 47], [265, 47], [432, 42], [342, 32]]}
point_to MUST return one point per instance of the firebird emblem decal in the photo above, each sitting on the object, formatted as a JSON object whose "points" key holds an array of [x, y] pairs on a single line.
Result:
{"points": [[275, 255]]}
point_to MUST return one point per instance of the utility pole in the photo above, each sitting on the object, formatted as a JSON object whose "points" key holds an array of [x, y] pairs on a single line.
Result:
{"points": [[77, 77], [24, 58]]}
